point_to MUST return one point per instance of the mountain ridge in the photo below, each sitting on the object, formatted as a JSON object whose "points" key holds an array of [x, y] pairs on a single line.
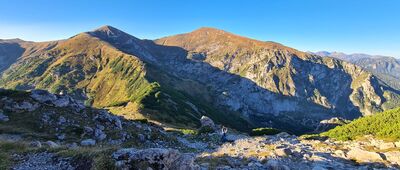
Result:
{"points": [[184, 76], [385, 67]]}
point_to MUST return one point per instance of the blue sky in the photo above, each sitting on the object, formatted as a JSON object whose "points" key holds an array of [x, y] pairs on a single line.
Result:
{"points": [[349, 26]]}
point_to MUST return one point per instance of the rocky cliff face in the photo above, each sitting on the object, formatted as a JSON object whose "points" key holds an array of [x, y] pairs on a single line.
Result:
{"points": [[274, 80], [386, 68], [207, 71]]}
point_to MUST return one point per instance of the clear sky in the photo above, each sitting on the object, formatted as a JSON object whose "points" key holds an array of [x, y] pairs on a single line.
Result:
{"points": [[350, 26]]}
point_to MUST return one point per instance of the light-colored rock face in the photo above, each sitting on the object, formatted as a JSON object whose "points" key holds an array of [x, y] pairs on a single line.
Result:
{"points": [[267, 80], [393, 157], [364, 156], [290, 152]]}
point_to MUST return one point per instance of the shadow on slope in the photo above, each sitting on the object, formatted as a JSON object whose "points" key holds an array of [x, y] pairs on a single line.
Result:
{"points": [[231, 93], [9, 53]]}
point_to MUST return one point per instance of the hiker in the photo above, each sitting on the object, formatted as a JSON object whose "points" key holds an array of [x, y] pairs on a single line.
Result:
{"points": [[224, 131]]}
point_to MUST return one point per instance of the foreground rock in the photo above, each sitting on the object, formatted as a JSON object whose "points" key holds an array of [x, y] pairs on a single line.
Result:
{"points": [[284, 152], [364, 156], [393, 157], [155, 158], [44, 160], [207, 122], [44, 96], [65, 128], [88, 142], [3, 118]]}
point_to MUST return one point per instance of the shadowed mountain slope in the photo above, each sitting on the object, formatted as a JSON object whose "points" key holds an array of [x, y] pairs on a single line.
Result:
{"points": [[90, 69], [176, 79]]}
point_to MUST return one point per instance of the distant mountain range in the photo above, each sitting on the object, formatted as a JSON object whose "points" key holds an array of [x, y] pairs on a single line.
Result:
{"points": [[237, 81], [387, 68]]}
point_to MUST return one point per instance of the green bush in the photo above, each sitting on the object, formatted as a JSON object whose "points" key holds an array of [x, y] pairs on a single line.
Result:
{"points": [[264, 131], [384, 125], [189, 132]]}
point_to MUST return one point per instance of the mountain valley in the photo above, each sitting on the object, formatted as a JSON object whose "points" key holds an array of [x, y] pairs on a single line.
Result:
{"points": [[206, 72], [105, 99]]}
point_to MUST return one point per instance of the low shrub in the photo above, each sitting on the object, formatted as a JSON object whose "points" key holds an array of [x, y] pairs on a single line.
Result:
{"points": [[264, 131], [206, 129]]}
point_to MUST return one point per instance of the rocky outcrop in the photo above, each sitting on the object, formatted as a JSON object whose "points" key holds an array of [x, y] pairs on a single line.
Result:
{"points": [[325, 125], [155, 158], [64, 122], [207, 122], [3, 117], [88, 142], [393, 157], [43, 160], [52, 144], [364, 156], [45, 97]]}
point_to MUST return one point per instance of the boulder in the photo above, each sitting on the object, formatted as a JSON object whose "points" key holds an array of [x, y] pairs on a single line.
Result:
{"points": [[35, 144], [206, 121], [88, 142], [283, 135], [155, 158], [273, 164], [393, 157], [52, 144], [387, 145], [284, 152], [331, 123], [118, 123], [61, 101], [24, 106], [72, 145], [185, 161], [141, 138], [62, 120], [397, 144], [88, 130], [340, 153], [99, 134], [319, 167], [3, 117], [61, 136], [43, 96], [364, 156]]}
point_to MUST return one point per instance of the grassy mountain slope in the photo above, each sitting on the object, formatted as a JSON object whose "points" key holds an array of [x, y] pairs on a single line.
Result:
{"points": [[384, 125], [177, 79], [93, 70], [338, 86]]}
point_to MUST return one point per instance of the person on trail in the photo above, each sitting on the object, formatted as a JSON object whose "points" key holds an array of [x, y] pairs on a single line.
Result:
{"points": [[224, 131]]}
